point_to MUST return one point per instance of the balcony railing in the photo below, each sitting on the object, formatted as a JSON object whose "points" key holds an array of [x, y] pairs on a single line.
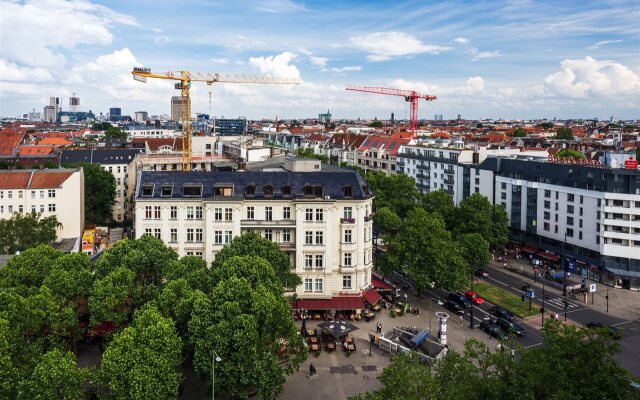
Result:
{"points": [[423, 167], [368, 218], [261, 222], [350, 220]]}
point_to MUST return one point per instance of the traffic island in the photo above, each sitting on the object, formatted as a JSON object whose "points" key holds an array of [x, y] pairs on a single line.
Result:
{"points": [[507, 300]]}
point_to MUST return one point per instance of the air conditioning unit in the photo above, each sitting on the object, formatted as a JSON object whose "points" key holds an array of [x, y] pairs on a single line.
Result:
{"points": [[327, 197]]}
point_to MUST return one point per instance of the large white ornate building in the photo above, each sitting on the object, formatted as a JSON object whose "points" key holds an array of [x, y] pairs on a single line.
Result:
{"points": [[321, 218]]}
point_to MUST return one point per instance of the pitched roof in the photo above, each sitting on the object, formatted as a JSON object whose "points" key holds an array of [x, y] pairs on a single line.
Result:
{"points": [[155, 143], [9, 141], [332, 182], [34, 150], [99, 156], [34, 179], [389, 144], [56, 141]]}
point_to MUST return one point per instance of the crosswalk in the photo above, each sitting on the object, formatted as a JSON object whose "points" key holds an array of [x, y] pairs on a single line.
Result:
{"points": [[559, 303]]}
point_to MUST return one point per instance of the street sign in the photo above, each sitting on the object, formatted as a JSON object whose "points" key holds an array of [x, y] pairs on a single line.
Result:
{"points": [[531, 294], [592, 288], [570, 266]]}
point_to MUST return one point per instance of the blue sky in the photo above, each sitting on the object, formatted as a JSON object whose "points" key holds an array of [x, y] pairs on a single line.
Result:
{"points": [[483, 59]]}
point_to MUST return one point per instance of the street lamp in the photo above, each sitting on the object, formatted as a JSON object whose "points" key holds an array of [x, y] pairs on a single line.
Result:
{"points": [[471, 313], [564, 280], [214, 358]]}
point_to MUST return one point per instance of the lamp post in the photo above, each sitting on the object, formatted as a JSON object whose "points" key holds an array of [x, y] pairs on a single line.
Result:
{"points": [[471, 325], [564, 280], [542, 301], [214, 358]]}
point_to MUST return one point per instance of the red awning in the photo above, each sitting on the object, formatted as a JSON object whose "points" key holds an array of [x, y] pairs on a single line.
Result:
{"points": [[548, 256], [529, 249], [347, 303], [372, 296], [313, 304], [379, 283]]}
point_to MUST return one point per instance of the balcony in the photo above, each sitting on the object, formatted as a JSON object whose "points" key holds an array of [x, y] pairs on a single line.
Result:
{"points": [[420, 175], [368, 218], [450, 171], [260, 222], [287, 245], [350, 220], [449, 181], [423, 167]]}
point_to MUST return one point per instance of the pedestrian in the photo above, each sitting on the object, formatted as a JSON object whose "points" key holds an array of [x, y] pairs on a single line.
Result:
{"points": [[312, 370], [418, 311], [461, 320], [405, 297]]}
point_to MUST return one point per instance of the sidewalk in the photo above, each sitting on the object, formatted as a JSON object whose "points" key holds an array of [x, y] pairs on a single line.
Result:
{"points": [[622, 303]]}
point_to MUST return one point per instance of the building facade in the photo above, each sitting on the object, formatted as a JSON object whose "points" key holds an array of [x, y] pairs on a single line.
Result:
{"points": [[321, 219], [378, 153], [58, 192], [116, 161]]}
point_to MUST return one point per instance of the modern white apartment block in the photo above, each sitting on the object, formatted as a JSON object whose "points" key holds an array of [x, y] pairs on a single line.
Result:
{"points": [[116, 161], [322, 219], [588, 214], [58, 192]]}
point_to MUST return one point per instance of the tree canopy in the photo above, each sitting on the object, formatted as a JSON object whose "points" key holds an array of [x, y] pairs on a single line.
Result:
{"points": [[519, 132], [24, 231], [564, 133], [99, 193], [115, 132], [546, 125], [475, 214], [571, 363], [570, 153], [397, 192]]}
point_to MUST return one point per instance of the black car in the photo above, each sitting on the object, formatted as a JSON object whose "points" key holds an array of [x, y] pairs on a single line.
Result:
{"points": [[455, 307], [500, 312], [511, 326], [614, 331], [493, 329], [460, 299]]}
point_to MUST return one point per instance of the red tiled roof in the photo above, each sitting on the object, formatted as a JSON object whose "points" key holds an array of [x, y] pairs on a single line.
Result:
{"points": [[33, 179], [155, 143], [56, 141], [316, 137], [36, 150], [381, 142], [9, 141]]}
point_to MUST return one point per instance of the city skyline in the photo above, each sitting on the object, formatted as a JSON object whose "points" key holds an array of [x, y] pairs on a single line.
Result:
{"points": [[512, 59]]}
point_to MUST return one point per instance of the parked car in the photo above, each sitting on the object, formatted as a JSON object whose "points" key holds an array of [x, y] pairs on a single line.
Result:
{"points": [[614, 331], [460, 299], [473, 296], [511, 326], [493, 329], [481, 272], [455, 307], [500, 312]]}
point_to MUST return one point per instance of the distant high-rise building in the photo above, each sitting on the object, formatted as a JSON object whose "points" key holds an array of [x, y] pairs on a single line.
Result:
{"points": [[437, 117], [393, 118], [115, 112], [613, 119], [49, 114], [325, 118], [176, 108], [230, 127], [55, 103], [459, 117], [35, 116], [141, 116], [74, 103]]}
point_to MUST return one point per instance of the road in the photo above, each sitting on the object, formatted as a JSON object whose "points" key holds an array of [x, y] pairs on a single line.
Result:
{"points": [[576, 312], [531, 338]]}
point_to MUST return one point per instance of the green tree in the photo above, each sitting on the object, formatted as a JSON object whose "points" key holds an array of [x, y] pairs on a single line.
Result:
{"points": [[55, 377], [423, 250], [376, 124], [111, 297], [638, 154], [252, 244], [475, 250], [546, 125], [519, 132], [143, 361], [101, 126], [564, 133], [70, 278], [476, 215], [23, 231], [99, 193], [570, 153], [27, 272], [439, 202], [247, 321], [10, 374], [115, 132], [386, 221], [397, 192]]}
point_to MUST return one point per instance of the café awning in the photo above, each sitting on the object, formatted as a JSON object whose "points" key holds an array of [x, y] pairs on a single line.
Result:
{"points": [[529, 249], [372, 296], [379, 283], [548, 256], [313, 304], [347, 302]]}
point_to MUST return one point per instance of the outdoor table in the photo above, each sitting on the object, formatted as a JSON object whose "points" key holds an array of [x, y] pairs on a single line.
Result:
{"points": [[397, 310], [349, 340], [351, 347], [331, 346], [310, 332], [316, 316], [314, 347], [376, 308], [313, 340], [399, 304]]}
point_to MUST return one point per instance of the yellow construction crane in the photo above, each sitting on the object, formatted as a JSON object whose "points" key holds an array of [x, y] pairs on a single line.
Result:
{"points": [[185, 78]]}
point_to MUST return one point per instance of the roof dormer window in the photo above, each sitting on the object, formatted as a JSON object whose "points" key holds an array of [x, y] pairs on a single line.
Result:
{"points": [[286, 191], [192, 191], [250, 190], [347, 192], [268, 190], [167, 190], [147, 190]]}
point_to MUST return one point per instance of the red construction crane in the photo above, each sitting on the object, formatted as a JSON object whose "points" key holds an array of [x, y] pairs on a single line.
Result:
{"points": [[410, 96]]}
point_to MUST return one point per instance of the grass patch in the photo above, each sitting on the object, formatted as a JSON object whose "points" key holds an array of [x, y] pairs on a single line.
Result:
{"points": [[506, 300]]}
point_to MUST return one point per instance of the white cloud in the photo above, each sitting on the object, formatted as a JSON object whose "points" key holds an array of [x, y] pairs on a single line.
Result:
{"points": [[319, 61], [161, 39], [476, 55], [219, 60], [384, 46], [278, 6], [276, 66], [13, 72], [585, 77], [602, 43], [473, 85], [34, 32], [461, 40], [341, 70]]}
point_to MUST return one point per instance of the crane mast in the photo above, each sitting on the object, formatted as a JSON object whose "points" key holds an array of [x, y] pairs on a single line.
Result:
{"points": [[410, 96], [185, 78]]}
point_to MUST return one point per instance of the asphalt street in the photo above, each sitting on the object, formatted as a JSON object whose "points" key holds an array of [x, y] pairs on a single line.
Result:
{"points": [[576, 312]]}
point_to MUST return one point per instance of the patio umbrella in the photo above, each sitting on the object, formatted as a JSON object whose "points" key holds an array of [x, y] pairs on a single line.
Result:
{"points": [[337, 328], [303, 330]]}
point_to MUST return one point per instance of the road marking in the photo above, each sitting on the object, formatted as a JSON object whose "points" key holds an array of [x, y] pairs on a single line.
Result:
{"points": [[623, 322], [495, 280], [533, 345]]}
